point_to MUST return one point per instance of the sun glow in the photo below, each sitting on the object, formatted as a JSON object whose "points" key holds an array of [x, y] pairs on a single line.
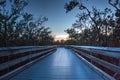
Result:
{"points": [[61, 37]]}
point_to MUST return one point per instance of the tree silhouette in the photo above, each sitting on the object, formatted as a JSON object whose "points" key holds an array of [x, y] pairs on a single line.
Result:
{"points": [[8, 18], [98, 24], [116, 31], [19, 28]]}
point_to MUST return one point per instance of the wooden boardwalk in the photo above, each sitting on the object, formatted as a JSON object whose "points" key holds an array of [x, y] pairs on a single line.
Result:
{"points": [[61, 65]]}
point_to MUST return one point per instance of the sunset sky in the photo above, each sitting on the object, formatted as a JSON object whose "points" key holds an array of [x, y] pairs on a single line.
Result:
{"points": [[54, 10]]}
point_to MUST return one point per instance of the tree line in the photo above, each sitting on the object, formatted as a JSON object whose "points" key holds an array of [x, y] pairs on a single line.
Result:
{"points": [[94, 27], [18, 28]]}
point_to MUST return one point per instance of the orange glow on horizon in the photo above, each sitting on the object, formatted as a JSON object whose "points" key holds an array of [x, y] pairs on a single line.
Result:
{"points": [[61, 37]]}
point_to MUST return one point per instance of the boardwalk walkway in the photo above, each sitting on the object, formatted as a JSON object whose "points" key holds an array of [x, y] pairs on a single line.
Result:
{"points": [[61, 65]]}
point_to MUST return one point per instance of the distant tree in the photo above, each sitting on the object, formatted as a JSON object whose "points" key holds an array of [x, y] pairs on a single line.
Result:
{"points": [[9, 18], [115, 4], [28, 26], [98, 23], [72, 4], [71, 42], [35, 33], [89, 13], [73, 34], [18, 27], [116, 31]]}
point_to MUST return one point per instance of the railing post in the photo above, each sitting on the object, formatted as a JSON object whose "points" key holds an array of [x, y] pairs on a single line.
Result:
{"points": [[91, 59], [119, 63], [8, 59], [30, 56]]}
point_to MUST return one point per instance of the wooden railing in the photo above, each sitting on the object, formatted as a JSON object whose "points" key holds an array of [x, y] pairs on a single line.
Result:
{"points": [[12, 58], [107, 61]]}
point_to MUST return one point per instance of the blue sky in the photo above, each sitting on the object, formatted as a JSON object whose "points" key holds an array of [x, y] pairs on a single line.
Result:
{"points": [[58, 20]]}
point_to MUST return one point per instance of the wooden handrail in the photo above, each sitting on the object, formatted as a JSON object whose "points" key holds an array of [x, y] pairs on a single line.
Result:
{"points": [[101, 62], [20, 55], [21, 59], [92, 55]]}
